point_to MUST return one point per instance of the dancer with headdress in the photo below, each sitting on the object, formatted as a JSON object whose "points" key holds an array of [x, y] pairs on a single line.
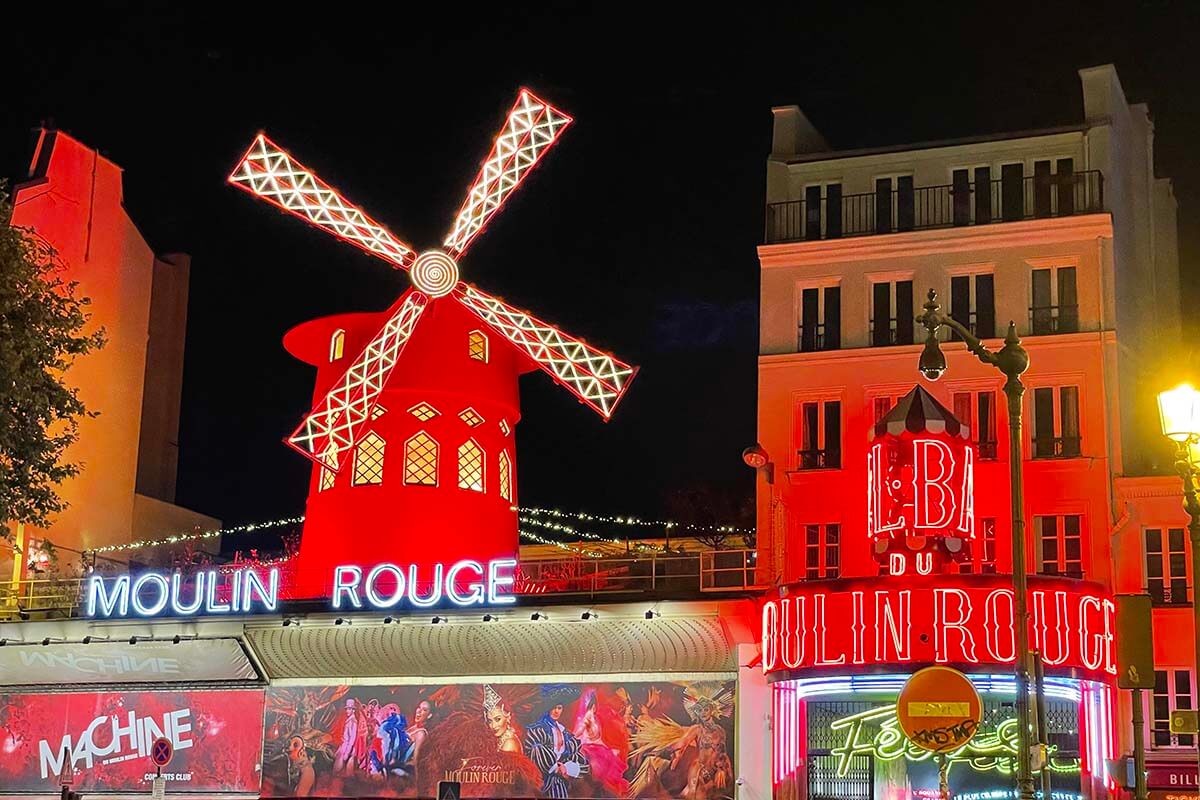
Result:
{"points": [[499, 721], [701, 748], [604, 742], [552, 747]]}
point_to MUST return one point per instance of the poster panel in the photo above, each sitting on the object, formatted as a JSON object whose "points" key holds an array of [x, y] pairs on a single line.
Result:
{"points": [[117, 662], [557, 740], [103, 740]]}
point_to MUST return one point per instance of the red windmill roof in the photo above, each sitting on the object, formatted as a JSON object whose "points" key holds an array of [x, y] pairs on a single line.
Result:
{"points": [[920, 412]]}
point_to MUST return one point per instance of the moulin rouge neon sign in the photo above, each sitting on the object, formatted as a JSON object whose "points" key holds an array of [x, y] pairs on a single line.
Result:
{"points": [[932, 620], [246, 591], [922, 487]]}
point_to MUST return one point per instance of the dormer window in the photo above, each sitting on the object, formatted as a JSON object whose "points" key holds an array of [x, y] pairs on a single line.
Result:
{"points": [[477, 346], [337, 345]]}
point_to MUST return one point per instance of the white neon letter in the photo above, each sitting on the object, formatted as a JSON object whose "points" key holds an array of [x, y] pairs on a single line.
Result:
{"points": [[210, 598], [435, 593], [770, 625], [1041, 628], [160, 602], [475, 594], [1092, 657], [498, 580], [197, 596], [373, 597], [794, 632], [858, 627], [893, 625], [101, 600], [998, 625], [820, 655], [942, 625], [268, 595], [926, 484], [346, 579]]}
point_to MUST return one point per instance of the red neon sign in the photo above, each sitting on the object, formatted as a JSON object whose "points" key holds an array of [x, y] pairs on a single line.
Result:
{"points": [[920, 487], [863, 623]]}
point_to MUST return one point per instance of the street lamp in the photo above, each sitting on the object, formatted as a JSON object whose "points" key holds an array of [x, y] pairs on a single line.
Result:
{"points": [[1179, 411], [1012, 360]]}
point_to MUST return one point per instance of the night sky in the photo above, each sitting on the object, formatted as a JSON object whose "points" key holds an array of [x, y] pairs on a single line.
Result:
{"points": [[637, 232]]}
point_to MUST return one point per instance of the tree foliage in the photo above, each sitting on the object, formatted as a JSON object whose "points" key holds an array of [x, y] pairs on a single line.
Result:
{"points": [[42, 321]]}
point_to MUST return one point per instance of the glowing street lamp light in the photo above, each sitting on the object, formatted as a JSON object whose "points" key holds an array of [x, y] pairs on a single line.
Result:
{"points": [[1179, 412]]}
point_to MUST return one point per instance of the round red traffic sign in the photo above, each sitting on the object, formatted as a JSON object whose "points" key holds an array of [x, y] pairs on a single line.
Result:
{"points": [[161, 751], [939, 709]]}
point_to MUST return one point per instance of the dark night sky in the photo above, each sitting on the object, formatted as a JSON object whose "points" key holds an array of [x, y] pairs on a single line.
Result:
{"points": [[637, 233]]}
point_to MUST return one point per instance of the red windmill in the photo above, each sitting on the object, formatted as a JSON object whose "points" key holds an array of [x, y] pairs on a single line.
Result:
{"points": [[414, 456]]}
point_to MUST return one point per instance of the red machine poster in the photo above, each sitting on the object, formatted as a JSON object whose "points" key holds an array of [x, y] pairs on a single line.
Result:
{"points": [[578, 740], [103, 740]]}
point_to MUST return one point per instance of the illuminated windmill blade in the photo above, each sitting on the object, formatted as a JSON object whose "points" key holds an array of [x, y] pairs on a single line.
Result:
{"points": [[596, 378], [269, 172], [336, 423], [533, 125]]}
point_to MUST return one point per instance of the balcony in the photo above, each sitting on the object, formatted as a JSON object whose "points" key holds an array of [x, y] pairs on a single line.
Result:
{"points": [[811, 338], [891, 332], [946, 206], [1048, 320], [986, 450], [819, 459], [1163, 594], [1056, 447]]}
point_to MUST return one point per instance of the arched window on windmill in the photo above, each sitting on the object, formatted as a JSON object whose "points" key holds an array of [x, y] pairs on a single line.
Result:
{"points": [[368, 460], [421, 460], [477, 346], [337, 345], [470, 466]]}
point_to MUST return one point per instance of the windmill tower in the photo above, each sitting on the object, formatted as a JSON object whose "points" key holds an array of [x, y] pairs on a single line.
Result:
{"points": [[411, 431]]}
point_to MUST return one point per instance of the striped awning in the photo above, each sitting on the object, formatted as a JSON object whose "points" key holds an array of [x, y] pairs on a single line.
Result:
{"points": [[920, 412]]}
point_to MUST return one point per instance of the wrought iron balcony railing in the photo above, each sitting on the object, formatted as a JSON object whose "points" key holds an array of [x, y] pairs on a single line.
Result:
{"points": [[819, 459], [945, 206], [1056, 447], [1046, 320], [892, 333], [986, 450]]}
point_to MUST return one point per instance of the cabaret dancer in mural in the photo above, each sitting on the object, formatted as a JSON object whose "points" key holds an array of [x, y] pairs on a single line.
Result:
{"points": [[604, 742], [697, 752], [552, 747], [499, 721]]}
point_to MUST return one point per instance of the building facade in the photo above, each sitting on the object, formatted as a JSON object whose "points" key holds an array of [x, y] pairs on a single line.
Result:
{"points": [[1068, 234], [72, 199]]}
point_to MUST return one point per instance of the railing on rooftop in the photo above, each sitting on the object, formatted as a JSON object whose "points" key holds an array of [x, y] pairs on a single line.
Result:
{"points": [[660, 574], [946, 206]]}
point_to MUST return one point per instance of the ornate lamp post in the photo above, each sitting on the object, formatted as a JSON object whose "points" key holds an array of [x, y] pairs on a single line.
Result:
{"points": [[1179, 411], [1012, 360]]}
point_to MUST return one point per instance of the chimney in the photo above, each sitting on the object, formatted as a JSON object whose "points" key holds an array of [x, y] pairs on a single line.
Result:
{"points": [[794, 135]]}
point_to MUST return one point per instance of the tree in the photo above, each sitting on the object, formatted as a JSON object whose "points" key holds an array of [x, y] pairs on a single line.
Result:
{"points": [[703, 510], [42, 321]]}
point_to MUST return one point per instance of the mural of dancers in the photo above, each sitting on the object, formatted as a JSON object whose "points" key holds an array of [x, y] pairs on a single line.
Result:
{"points": [[588, 741]]}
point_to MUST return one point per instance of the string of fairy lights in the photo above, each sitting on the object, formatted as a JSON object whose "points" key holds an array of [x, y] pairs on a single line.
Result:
{"points": [[546, 518]]}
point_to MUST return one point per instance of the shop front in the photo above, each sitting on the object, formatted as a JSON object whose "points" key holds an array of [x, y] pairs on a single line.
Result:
{"points": [[837, 654]]}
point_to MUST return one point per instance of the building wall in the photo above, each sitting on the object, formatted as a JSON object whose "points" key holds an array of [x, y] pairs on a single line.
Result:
{"points": [[1127, 347], [73, 200]]}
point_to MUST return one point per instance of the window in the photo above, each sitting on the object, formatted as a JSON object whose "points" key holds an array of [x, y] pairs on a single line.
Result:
{"points": [[973, 304], [971, 189], [504, 476], [981, 553], [823, 211], [470, 466], [504, 427], [821, 551], [420, 460], [378, 411], [895, 204], [978, 411], [1054, 195], [882, 404], [423, 411], [1172, 691], [820, 326], [1012, 191], [337, 345], [470, 416], [477, 346], [819, 425], [891, 313], [1055, 306], [328, 476], [368, 460], [1056, 422], [1060, 545], [1166, 566]]}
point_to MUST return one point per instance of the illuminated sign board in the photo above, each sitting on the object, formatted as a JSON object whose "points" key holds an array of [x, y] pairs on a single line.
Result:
{"points": [[246, 591], [959, 620]]}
